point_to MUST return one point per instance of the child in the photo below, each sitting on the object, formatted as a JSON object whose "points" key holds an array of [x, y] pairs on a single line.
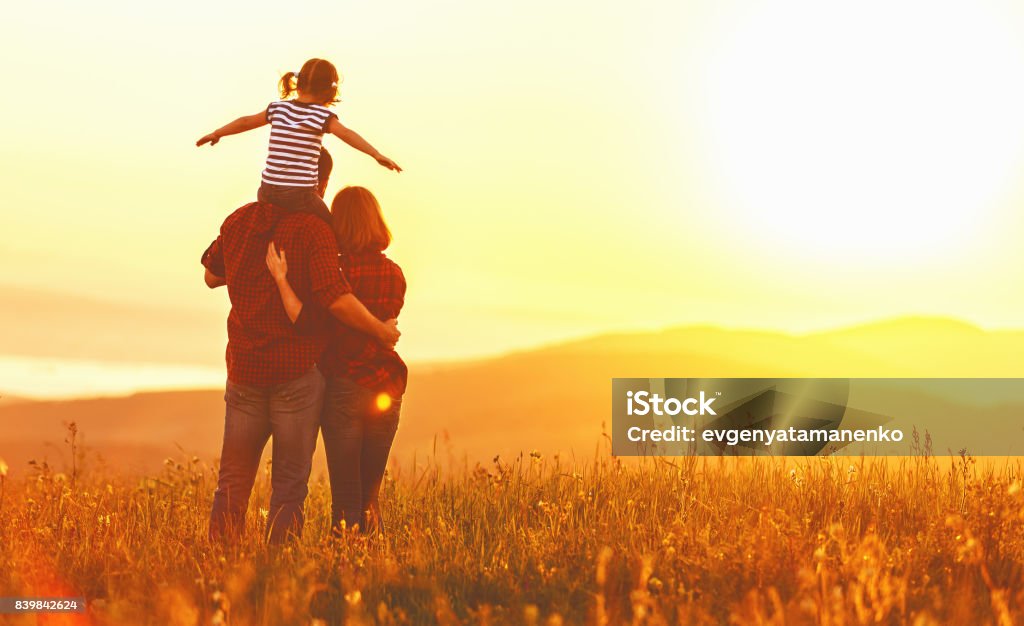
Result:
{"points": [[297, 127]]}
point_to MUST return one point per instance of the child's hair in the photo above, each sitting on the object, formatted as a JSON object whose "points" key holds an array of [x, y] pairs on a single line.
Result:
{"points": [[358, 222], [318, 78]]}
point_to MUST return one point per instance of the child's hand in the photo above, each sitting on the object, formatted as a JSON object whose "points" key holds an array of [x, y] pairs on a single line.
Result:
{"points": [[388, 163], [276, 263], [211, 139]]}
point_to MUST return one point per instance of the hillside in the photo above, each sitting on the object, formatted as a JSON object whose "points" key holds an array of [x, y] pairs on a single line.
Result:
{"points": [[552, 399], [7, 400]]}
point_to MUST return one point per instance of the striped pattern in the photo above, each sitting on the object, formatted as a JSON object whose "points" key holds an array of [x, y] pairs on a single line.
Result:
{"points": [[296, 132]]}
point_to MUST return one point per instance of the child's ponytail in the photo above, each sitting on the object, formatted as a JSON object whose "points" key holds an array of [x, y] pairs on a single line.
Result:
{"points": [[288, 84], [318, 78]]}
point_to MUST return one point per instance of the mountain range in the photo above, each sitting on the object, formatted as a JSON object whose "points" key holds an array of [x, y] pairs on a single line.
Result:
{"points": [[553, 399]]}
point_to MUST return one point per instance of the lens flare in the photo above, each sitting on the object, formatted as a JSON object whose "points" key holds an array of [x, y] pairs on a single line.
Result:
{"points": [[383, 402]]}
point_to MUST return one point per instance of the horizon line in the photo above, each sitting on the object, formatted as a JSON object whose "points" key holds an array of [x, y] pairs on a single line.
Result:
{"points": [[196, 377]]}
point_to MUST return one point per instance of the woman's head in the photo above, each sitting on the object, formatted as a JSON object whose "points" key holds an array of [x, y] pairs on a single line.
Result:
{"points": [[317, 78], [358, 222]]}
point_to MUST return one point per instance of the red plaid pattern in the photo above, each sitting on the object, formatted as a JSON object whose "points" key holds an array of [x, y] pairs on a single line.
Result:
{"points": [[379, 284], [263, 347]]}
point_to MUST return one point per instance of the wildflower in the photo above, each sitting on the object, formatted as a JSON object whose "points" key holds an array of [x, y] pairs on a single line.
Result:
{"points": [[795, 477], [353, 597], [3, 468], [264, 513], [1013, 490], [223, 605]]}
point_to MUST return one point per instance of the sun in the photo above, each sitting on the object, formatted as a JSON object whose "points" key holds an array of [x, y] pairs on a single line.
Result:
{"points": [[868, 129]]}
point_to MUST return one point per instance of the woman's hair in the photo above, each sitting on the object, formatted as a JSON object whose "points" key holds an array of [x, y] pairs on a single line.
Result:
{"points": [[318, 78], [358, 222]]}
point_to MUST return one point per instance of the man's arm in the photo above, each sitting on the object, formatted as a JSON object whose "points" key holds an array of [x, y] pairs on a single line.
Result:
{"points": [[330, 290], [353, 139], [242, 124], [213, 264], [212, 280], [351, 312]]}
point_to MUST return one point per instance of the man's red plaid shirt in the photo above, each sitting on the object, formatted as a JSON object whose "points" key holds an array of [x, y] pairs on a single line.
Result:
{"points": [[264, 348]]}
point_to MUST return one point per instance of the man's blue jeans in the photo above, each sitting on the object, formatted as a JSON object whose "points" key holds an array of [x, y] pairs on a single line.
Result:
{"points": [[290, 413]]}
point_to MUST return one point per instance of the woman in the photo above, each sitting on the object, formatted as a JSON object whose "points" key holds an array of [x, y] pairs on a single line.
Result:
{"points": [[365, 380]]}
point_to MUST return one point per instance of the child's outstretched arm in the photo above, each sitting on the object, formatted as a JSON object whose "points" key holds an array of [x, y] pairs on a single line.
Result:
{"points": [[353, 139], [242, 124], [278, 266]]}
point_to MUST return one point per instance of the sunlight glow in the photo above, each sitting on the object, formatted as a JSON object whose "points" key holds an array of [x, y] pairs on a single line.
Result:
{"points": [[788, 165], [883, 128]]}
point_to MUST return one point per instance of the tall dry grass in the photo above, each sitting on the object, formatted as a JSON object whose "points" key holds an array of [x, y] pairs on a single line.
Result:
{"points": [[543, 541]]}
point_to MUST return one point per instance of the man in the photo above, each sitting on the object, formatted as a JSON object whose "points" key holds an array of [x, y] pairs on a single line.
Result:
{"points": [[274, 388]]}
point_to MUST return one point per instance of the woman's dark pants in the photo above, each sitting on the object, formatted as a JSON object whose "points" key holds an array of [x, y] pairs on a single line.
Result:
{"points": [[358, 430]]}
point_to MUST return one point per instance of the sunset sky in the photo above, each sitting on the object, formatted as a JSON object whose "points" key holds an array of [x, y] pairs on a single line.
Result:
{"points": [[571, 167]]}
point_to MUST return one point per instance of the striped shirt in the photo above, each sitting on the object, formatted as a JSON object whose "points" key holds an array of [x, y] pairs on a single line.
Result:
{"points": [[296, 131]]}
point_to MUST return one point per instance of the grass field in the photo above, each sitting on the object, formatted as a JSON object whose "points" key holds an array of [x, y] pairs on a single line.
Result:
{"points": [[536, 540]]}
